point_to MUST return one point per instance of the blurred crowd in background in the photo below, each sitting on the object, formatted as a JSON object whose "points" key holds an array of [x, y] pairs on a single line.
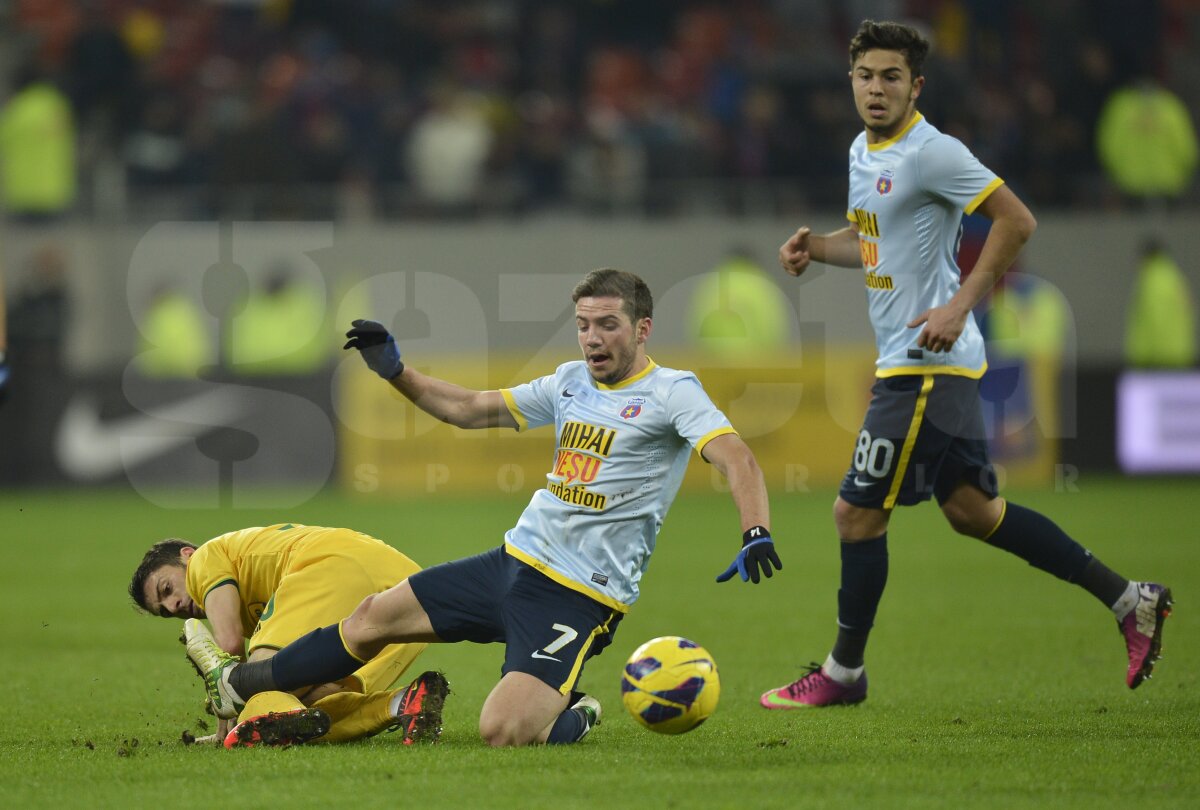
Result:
{"points": [[383, 108]]}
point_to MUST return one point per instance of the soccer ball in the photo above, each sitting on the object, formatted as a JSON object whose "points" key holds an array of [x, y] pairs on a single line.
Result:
{"points": [[670, 685]]}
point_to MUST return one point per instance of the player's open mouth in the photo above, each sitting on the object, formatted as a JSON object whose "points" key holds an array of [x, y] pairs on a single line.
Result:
{"points": [[597, 359]]}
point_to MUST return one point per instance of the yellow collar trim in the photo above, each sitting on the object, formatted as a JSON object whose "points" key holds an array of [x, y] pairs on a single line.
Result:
{"points": [[650, 366], [875, 147]]}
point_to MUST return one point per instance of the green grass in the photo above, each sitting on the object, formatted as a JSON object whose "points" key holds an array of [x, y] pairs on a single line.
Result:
{"points": [[992, 685]]}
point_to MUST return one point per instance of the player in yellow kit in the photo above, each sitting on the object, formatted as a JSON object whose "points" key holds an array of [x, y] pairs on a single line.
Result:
{"points": [[262, 588]]}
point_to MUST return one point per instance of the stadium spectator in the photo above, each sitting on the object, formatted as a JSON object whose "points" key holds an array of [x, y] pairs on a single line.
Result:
{"points": [[37, 149], [556, 590], [39, 314], [1160, 327], [1026, 324], [923, 434], [1147, 142], [39, 322], [448, 149], [4, 369], [280, 327], [101, 74], [271, 584], [740, 103], [174, 339], [736, 310]]}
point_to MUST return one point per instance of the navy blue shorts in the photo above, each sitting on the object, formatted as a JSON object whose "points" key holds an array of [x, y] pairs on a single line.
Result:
{"points": [[549, 630], [923, 436]]}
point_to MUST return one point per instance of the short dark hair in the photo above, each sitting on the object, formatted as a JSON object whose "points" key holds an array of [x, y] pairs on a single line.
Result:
{"points": [[164, 552], [633, 292], [891, 36]]}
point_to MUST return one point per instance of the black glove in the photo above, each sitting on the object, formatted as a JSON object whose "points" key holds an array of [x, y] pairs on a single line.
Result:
{"points": [[758, 551], [377, 347]]}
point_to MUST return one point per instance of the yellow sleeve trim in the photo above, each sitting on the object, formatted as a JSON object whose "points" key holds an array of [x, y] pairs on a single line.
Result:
{"points": [[346, 646], [983, 195], [921, 371], [542, 568], [511, 403], [708, 437]]}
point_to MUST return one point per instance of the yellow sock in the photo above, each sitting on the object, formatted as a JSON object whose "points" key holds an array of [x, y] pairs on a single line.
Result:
{"points": [[355, 715], [267, 702]]}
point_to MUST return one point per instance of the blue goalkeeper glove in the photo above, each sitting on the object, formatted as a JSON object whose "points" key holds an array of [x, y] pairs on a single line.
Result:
{"points": [[758, 552], [4, 374], [377, 347]]}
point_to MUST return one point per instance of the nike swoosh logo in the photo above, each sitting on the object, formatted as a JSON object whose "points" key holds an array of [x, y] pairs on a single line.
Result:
{"points": [[783, 703], [860, 483], [567, 393], [90, 449], [537, 654]]}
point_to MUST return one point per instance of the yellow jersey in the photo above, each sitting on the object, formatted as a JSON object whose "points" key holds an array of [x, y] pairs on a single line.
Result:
{"points": [[255, 560]]}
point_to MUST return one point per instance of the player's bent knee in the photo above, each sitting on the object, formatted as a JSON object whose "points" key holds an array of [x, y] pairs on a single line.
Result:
{"points": [[967, 521], [858, 523], [356, 628], [501, 732], [363, 612], [957, 519], [839, 509], [843, 515]]}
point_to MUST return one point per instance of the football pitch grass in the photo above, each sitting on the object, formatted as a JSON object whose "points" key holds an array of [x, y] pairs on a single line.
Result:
{"points": [[992, 684]]}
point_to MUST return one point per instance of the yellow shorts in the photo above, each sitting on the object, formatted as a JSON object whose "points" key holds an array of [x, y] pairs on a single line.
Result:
{"points": [[324, 585]]}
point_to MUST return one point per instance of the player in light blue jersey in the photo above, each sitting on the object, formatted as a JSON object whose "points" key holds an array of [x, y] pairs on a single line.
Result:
{"points": [[923, 433], [569, 570]]}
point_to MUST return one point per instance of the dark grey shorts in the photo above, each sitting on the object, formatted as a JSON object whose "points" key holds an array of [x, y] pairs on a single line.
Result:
{"points": [[923, 436], [548, 630]]}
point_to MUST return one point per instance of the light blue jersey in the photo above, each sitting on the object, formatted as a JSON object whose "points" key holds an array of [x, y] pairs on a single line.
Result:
{"points": [[907, 197], [620, 456]]}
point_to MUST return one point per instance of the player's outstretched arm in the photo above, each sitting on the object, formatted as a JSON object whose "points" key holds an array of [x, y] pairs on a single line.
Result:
{"points": [[730, 455], [802, 248], [458, 406]]}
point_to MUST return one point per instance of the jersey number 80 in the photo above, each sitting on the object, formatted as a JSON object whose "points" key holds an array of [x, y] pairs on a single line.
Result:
{"points": [[874, 457]]}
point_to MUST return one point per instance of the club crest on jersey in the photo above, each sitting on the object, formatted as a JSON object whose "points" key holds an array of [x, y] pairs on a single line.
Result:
{"points": [[633, 407], [884, 184]]}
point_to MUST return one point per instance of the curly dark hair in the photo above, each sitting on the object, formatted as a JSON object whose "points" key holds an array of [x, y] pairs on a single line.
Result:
{"points": [[891, 36], [164, 552]]}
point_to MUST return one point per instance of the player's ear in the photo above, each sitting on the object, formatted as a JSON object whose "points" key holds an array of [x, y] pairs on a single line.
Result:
{"points": [[186, 552], [644, 327], [918, 83]]}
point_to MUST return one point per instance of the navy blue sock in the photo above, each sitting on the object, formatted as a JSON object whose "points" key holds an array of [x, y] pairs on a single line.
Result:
{"points": [[251, 678], [864, 576], [570, 727], [319, 657], [1039, 541]]}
